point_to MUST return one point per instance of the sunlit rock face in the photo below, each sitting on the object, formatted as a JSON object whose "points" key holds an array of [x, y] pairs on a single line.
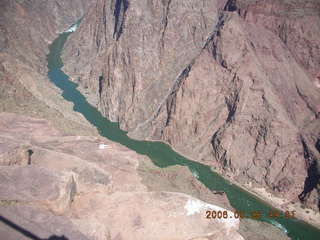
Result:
{"points": [[233, 84]]}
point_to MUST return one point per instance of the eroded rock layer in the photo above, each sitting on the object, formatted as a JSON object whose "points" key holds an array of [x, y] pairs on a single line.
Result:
{"points": [[233, 84]]}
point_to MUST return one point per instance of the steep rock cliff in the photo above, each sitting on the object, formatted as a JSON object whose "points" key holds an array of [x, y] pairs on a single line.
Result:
{"points": [[233, 84]]}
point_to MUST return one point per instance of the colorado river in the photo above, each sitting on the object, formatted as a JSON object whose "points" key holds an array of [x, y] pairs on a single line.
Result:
{"points": [[162, 154]]}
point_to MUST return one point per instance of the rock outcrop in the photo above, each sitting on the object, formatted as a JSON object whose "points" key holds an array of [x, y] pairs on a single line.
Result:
{"points": [[233, 84]]}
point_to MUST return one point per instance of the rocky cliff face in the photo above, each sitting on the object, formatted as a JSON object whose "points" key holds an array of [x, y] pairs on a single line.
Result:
{"points": [[233, 84]]}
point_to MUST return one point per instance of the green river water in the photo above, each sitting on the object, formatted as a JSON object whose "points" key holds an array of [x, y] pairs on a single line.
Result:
{"points": [[162, 154]]}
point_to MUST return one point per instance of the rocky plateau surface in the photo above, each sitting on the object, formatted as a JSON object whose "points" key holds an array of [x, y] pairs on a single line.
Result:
{"points": [[85, 187], [230, 83]]}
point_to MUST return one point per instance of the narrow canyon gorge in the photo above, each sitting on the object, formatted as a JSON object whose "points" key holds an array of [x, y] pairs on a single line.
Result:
{"points": [[232, 84], [116, 117]]}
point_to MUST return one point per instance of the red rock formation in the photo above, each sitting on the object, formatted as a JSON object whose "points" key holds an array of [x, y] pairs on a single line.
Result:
{"points": [[228, 83]]}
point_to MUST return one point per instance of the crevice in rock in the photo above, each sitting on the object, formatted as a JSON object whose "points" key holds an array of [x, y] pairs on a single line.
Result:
{"points": [[165, 19], [101, 80], [216, 30], [214, 48], [73, 190], [306, 152], [233, 99], [305, 100], [232, 104], [282, 28], [104, 21], [231, 6], [171, 100], [133, 83], [120, 8]]}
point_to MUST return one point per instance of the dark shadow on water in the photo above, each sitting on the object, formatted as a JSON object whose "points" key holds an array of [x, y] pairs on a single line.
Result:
{"points": [[27, 233]]}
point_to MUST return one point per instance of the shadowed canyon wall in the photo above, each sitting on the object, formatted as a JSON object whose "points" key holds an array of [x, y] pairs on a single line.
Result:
{"points": [[232, 84]]}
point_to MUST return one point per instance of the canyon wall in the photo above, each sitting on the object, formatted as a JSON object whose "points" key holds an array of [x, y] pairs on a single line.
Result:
{"points": [[59, 185], [232, 84]]}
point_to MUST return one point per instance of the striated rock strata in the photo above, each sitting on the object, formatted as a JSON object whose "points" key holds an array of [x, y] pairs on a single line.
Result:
{"points": [[233, 84]]}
